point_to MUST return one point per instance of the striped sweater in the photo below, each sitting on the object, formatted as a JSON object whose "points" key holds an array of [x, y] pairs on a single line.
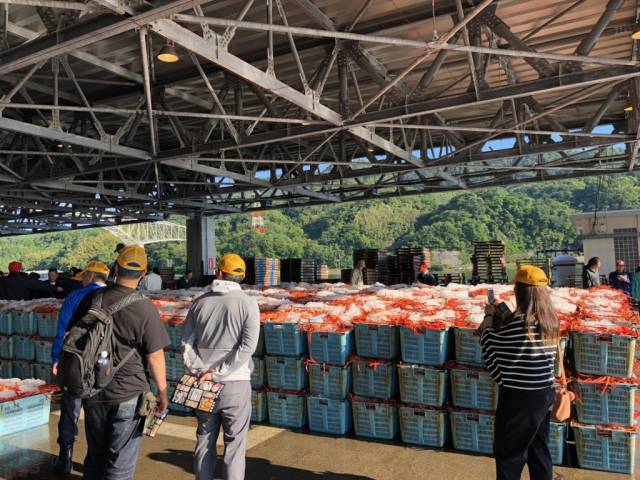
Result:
{"points": [[516, 361]]}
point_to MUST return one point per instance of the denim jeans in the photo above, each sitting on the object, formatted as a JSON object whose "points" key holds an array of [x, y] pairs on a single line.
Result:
{"points": [[114, 435], [68, 424]]}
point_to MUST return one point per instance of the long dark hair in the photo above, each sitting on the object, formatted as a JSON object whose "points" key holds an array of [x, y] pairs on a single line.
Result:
{"points": [[593, 261], [534, 304]]}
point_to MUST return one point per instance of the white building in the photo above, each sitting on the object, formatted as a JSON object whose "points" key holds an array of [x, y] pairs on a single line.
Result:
{"points": [[610, 235]]}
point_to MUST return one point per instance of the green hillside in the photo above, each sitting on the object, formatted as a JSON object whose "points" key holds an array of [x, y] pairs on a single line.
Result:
{"points": [[527, 218]]}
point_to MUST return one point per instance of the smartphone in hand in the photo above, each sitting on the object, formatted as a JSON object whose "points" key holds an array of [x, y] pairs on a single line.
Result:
{"points": [[491, 296]]}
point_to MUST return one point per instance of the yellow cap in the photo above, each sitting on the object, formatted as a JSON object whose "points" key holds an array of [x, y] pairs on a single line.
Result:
{"points": [[232, 264], [97, 267], [530, 275], [133, 257]]}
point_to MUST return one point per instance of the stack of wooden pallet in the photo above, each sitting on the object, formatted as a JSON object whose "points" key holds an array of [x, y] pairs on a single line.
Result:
{"points": [[409, 260], [489, 262]]}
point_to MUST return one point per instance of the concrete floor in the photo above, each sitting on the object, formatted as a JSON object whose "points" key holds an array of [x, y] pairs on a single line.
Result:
{"points": [[273, 454]]}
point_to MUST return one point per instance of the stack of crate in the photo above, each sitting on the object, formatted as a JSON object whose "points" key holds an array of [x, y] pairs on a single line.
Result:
{"points": [[375, 381], [375, 264], [26, 339], [409, 260], [168, 275], [259, 382], [489, 262], [445, 278], [296, 270], [286, 347], [174, 361], [322, 272], [330, 347], [424, 385], [262, 271], [606, 429]]}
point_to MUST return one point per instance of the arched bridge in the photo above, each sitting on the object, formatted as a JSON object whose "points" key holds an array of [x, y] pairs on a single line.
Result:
{"points": [[150, 232]]}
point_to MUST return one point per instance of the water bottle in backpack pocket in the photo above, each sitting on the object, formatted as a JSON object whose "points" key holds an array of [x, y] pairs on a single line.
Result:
{"points": [[103, 370]]}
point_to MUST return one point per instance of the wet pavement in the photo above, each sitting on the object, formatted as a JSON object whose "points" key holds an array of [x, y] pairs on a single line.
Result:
{"points": [[273, 454]]}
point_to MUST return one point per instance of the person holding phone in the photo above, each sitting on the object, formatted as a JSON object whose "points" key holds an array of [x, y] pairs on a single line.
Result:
{"points": [[621, 279], [519, 351]]}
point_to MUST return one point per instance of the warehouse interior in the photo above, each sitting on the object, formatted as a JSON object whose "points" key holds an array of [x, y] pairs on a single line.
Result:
{"points": [[116, 112]]}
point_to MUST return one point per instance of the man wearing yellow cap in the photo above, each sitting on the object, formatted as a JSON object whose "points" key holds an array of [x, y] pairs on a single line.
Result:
{"points": [[220, 335], [93, 277], [113, 425]]}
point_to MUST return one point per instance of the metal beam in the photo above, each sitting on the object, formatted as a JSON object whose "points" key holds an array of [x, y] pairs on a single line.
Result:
{"points": [[58, 135], [192, 42], [85, 34]]}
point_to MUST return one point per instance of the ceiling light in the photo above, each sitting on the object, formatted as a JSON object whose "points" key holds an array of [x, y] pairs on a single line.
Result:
{"points": [[168, 53], [628, 109], [60, 146], [636, 33], [370, 149]]}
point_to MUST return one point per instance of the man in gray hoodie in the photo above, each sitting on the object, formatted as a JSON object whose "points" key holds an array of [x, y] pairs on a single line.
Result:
{"points": [[220, 335]]}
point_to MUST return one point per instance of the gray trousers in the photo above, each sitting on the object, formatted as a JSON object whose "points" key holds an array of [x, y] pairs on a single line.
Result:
{"points": [[233, 413]]}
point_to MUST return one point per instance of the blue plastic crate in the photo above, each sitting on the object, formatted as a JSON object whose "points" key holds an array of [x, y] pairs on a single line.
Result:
{"points": [[6, 323], [473, 389], [43, 350], [24, 323], [258, 406], [6, 368], [468, 349], [260, 347], [563, 348], [21, 369], [329, 381], [610, 355], [603, 449], [472, 432], [374, 379], [377, 341], [175, 365], [284, 339], [557, 439], [333, 348], [6, 347], [259, 373], [24, 413], [423, 385], [46, 324], [424, 346], [23, 348], [287, 409], [329, 416], [174, 330], [423, 426], [42, 371], [287, 373], [375, 420], [614, 405]]}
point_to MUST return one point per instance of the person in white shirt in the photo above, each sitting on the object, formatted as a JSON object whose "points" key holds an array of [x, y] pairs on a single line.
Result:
{"points": [[152, 282]]}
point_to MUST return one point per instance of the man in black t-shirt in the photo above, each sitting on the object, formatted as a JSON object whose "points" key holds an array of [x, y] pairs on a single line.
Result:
{"points": [[112, 423]]}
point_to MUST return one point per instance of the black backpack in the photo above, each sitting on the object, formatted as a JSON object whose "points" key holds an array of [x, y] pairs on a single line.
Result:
{"points": [[79, 374]]}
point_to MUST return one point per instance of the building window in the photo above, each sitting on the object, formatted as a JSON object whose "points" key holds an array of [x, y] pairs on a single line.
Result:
{"points": [[625, 244]]}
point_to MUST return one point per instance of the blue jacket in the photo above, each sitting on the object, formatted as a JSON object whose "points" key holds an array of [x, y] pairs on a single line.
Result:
{"points": [[624, 286], [64, 317]]}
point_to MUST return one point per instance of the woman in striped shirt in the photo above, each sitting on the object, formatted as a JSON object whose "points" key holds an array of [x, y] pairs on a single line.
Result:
{"points": [[520, 355]]}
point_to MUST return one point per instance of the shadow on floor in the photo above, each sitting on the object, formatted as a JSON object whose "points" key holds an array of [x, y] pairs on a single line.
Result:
{"points": [[23, 464], [257, 468]]}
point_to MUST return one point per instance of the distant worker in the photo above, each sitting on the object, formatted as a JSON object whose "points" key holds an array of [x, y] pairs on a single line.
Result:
{"points": [[152, 281], [591, 273], [425, 276], [519, 350], [357, 276], [621, 279], [185, 282], [94, 276], [117, 251], [34, 275], [73, 282], [220, 335], [113, 425], [20, 286]]}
